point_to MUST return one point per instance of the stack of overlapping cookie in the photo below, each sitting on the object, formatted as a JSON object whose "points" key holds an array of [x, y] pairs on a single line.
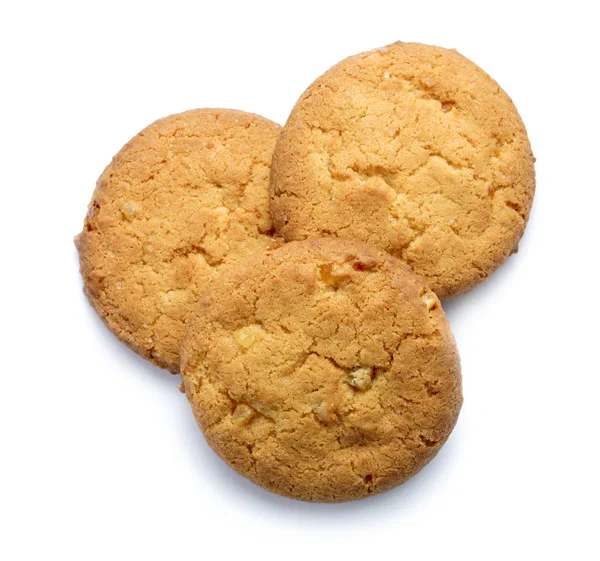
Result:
{"points": [[292, 275]]}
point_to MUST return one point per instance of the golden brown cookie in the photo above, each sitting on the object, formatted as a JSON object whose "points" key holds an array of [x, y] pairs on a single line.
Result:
{"points": [[324, 370], [185, 197], [415, 149]]}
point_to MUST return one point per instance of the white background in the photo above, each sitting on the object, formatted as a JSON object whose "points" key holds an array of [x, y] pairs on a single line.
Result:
{"points": [[100, 457]]}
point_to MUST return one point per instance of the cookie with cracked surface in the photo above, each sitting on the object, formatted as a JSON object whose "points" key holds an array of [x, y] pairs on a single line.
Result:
{"points": [[413, 148], [182, 200], [323, 370]]}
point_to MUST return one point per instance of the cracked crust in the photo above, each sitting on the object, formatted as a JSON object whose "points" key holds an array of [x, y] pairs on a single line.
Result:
{"points": [[415, 149], [323, 370], [185, 197]]}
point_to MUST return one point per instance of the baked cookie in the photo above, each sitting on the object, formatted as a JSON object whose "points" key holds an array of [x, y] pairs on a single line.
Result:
{"points": [[323, 370], [184, 198], [415, 149]]}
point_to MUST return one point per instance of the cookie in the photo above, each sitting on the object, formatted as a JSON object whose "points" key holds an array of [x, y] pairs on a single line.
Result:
{"points": [[185, 198], [415, 149], [323, 370]]}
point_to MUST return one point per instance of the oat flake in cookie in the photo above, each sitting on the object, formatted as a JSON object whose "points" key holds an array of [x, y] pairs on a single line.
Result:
{"points": [[415, 149], [182, 200], [323, 370]]}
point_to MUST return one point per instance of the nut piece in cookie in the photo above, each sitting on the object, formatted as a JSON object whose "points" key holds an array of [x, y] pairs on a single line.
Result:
{"points": [[361, 378]]}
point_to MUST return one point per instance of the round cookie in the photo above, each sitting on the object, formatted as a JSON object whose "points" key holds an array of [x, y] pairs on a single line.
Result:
{"points": [[415, 149], [184, 198], [323, 370]]}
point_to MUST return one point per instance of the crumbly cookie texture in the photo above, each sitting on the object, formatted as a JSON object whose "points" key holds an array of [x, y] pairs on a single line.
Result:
{"points": [[413, 148], [182, 200], [323, 370]]}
